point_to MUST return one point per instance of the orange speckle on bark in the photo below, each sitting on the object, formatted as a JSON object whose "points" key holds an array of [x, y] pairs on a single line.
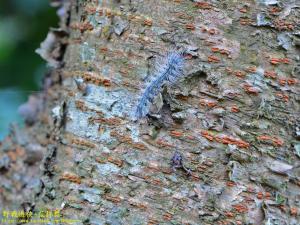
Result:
{"points": [[264, 137], [270, 74], [251, 90], [293, 211], [239, 73], [234, 109], [229, 214], [207, 135], [190, 26], [115, 199], [275, 61], [267, 195], [175, 133], [292, 81], [213, 59], [260, 195], [70, 177], [285, 60], [251, 69], [203, 5], [148, 22], [282, 81], [230, 184], [212, 31], [278, 142], [243, 10], [167, 216], [240, 208]]}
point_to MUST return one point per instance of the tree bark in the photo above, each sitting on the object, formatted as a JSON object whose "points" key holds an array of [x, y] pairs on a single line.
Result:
{"points": [[233, 117]]}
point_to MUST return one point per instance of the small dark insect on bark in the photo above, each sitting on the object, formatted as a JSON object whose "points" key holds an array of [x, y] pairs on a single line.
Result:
{"points": [[177, 162]]}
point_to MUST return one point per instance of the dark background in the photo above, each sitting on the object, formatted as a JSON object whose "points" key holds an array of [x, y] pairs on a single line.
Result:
{"points": [[23, 26]]}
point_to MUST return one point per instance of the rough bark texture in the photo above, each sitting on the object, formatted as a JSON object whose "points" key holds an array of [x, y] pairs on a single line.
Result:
{"points": [[234, 117]]}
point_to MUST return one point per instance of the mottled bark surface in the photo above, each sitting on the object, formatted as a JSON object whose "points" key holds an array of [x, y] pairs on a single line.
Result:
{"points": [[234, 117]]}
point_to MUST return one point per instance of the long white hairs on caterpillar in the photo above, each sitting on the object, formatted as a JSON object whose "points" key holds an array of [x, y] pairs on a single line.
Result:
{"points": [[168, 70]]}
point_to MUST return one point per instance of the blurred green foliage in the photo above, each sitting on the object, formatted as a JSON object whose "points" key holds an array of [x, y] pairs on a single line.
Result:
{"points": [[23, 26]]}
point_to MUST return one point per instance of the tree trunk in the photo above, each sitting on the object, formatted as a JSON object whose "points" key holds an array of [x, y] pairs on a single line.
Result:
{"points": [[233, 116]]}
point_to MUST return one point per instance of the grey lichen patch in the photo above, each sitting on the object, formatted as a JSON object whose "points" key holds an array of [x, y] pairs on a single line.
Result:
{"points": [[271, 181], [267, 2], [257, 80], [132, 158], [159, 30], [228, 196], [236, 172], [92, 198], [107, 169], [97, 220], [113, 103], [120, 25], [136, 219], [262, 20], [92, 19], [239, 155], [116, 214], [107, 31], [4, 162], [87, 53], [79, 124], [134, 132], [285, 41], [279, 167], [297, 149]]}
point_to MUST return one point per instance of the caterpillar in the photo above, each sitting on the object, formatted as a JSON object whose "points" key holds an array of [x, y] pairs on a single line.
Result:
{"points": [[167, 71]]}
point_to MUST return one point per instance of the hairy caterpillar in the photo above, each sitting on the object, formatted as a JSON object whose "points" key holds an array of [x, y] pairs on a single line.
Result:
{"points": [[168, 70]]}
